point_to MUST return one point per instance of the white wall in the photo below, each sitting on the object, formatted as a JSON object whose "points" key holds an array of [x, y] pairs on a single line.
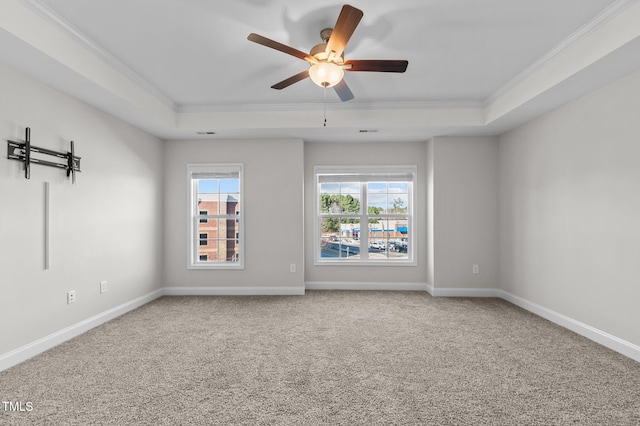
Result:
{"points": [[570, 210], [106, 227], [464, 185], [328, 154], [273, 172]]}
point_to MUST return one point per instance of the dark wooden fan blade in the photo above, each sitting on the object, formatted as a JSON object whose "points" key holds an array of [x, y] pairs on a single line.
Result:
{"points": [[346, 24], [343, 91], [377, 65], [278, 46], [289, 81]]}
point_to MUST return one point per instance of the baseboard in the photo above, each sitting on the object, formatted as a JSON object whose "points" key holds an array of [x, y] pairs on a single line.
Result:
{"points": [[430, 289], [318, 285], [32, 349], [464, 292], [605, 339], [233, 291]]}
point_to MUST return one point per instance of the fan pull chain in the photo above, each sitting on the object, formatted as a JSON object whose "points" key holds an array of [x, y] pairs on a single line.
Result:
{"points": [[325, 106]]}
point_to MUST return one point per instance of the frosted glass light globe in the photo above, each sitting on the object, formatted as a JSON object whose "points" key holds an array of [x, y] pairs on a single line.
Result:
{"points": [[326, 74]]}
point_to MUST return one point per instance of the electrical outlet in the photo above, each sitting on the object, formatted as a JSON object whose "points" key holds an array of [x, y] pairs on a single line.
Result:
{"points": [[103, 287], [292, 267], [71, 297], [476, 269]]}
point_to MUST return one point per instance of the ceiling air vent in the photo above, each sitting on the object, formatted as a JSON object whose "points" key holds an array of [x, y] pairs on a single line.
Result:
{"points": [[206, 133], [368, 130]]}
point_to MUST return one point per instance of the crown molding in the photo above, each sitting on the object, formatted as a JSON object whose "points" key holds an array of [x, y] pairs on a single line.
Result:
{"points": [[59, 22], [336, 106], [610, 12]]}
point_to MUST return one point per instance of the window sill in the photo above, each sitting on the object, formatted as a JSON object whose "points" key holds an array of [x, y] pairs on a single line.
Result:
{"points": [[215, 267], [394, 263]]}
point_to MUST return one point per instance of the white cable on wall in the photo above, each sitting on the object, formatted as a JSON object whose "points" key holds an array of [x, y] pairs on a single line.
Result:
{"points": [[46, 225]]}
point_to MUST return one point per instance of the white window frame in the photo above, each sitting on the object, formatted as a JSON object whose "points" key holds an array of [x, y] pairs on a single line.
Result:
{"points": [[368, 171], [194, 216]]}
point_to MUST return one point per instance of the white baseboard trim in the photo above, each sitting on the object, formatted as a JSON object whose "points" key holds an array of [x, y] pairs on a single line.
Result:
{"points": [[320, 285], [464, 292], [605, 339], [430, 289], [233, 291], [32, 349]]}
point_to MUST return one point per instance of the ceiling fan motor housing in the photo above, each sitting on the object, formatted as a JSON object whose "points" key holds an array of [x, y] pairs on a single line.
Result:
{"points": [[319, 51], [325, 34]]}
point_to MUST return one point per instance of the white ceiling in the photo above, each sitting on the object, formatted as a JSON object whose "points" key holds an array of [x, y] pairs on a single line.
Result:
{"points": [[178, 67]]}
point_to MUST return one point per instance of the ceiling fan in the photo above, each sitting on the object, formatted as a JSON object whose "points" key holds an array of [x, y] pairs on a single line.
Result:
{"points": [[326, 60]]}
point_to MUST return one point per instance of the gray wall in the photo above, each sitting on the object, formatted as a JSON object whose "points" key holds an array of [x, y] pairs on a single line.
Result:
{"points": [[107, 227], [570, 210], [327, 154], [464, 187], [273, 172]]}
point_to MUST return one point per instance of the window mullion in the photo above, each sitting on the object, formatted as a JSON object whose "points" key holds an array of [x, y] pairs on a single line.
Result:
{"points": [[364, 223]]}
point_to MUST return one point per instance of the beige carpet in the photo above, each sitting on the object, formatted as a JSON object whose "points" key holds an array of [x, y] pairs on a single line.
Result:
{"points": [[327, 358]]}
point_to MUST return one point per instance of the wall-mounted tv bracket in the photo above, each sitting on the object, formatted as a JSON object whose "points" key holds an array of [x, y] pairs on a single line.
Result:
{"points": [[22, 151]]}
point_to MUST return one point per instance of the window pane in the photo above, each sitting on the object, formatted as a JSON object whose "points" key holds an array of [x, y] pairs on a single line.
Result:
{"points": [[329, 188], [329, 246], [377, 187], [398, 187], [329, 203], [208, 251], [340, 238], [228, 250], [388, 238], [378, 238], [225, 229], [206, 227], [398, 203], [229, 204], [376, 197], [349, 241], [208, 202], [376, 203], [330, 228], [230, 186], [350, 188], [340, 203], [398, 239], [208, 186], [350, 203]]}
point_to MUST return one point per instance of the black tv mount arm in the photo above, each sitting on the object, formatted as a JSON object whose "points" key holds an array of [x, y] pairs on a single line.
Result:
{"points": [[21, 151]]}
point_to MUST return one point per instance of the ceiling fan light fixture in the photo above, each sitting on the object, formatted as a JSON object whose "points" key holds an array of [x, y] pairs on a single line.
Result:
{"points": [[326, 74]]}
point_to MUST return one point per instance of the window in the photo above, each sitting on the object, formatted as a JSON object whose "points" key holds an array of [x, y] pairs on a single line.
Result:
{"points": [[364, 215], [216, 225]]}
